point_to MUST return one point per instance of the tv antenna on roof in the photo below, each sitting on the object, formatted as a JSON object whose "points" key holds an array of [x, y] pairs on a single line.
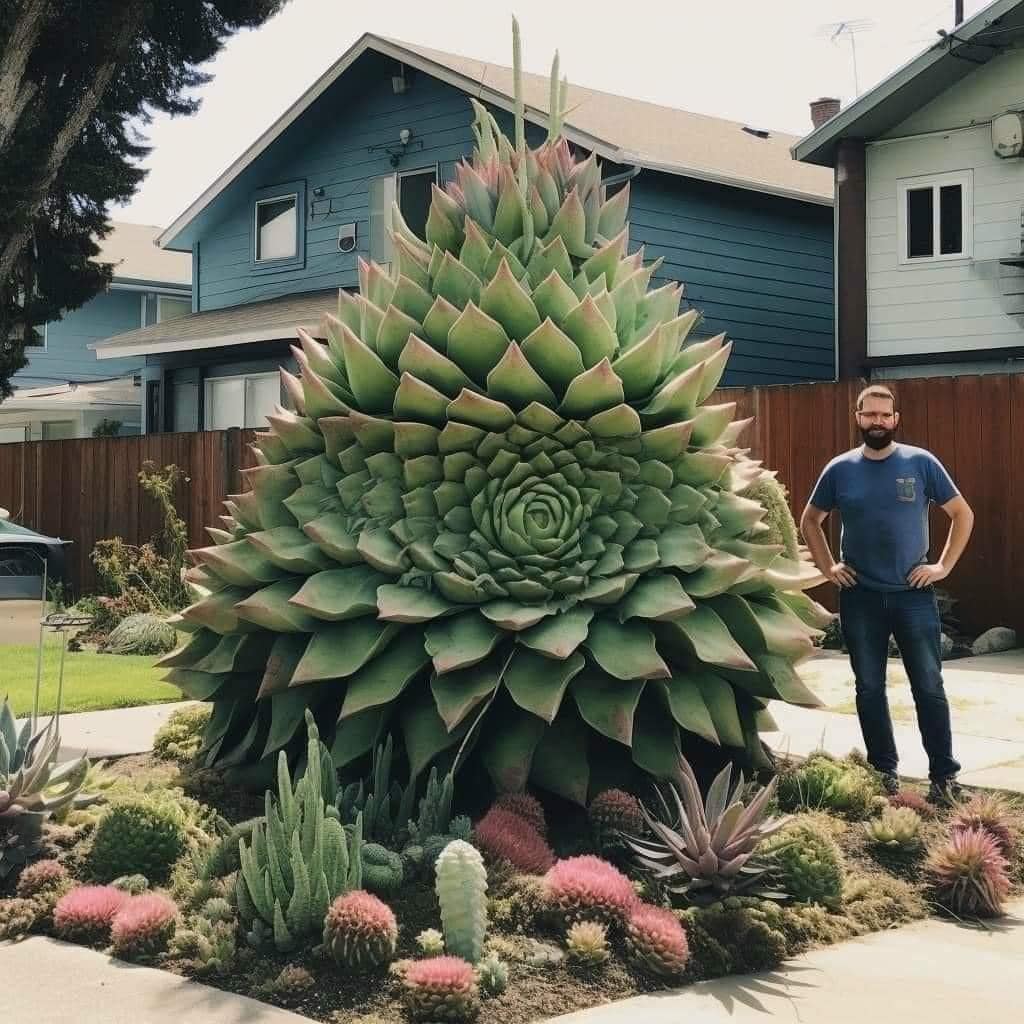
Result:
{"points": [[848, 29]]}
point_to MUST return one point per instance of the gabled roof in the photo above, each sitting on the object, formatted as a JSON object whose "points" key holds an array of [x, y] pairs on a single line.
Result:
{"points": [[954, 56], [618, 128], [130, 248], [233, 325]]}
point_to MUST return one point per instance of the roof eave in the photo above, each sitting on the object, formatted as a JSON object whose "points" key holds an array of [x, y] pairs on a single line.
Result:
{"points": [[117, 346], [819, 146]]}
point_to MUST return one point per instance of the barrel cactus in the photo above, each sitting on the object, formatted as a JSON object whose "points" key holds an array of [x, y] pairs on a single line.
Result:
{"points": [[500, 497]]}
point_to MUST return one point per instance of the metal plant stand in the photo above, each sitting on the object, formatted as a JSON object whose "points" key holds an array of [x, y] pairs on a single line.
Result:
{"points": [[59, 622]]}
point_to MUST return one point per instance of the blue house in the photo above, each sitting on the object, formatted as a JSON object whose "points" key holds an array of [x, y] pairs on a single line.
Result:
{"points": [[63, 391], [748, 230]]}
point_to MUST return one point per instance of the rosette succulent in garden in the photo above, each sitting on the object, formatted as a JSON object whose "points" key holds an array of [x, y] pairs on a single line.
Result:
{"points": [[501, 504]]}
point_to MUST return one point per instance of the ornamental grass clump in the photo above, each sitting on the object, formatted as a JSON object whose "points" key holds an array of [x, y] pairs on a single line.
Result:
{"points": [[703, 850], [360, 931], [504, 835], [588, 888], [443, 988], [967, 874], [501, 498]]}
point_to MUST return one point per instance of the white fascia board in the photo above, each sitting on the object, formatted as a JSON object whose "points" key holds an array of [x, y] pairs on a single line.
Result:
{"points": [[115, 349]]}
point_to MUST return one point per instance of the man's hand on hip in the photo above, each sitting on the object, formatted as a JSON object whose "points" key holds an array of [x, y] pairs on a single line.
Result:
{"points": [[842, 575], [926, 575]]}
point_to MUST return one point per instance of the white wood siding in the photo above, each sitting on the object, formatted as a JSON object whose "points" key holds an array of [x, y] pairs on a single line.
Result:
{"points": [[957, 305]]}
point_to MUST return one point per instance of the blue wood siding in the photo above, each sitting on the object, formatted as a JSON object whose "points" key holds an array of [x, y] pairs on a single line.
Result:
{"points": [[328, 149], [66, 357], [758, 267]]}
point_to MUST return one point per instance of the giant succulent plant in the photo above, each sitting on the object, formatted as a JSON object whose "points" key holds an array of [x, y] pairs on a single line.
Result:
{"points": [[501, 490]]}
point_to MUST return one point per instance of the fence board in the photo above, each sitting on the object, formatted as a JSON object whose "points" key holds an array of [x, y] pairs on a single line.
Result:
{"points": [[87, 489]]}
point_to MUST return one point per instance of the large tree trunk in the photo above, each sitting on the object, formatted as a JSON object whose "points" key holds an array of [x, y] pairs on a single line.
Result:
{"points": [[15, 92], [122, 33]]}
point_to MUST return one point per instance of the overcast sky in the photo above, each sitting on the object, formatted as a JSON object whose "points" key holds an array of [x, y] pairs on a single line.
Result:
{"points": [[746, 60]]}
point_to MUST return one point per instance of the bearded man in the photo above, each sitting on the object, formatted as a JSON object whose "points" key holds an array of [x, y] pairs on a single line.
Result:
{"points": [[882, 491]]}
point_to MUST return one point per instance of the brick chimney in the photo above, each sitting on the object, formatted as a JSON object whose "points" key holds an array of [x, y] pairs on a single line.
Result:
{"points": [[823, 109]]}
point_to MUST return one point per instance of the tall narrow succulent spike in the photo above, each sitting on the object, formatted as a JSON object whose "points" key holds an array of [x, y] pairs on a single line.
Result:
{"points": [[506, 467]]}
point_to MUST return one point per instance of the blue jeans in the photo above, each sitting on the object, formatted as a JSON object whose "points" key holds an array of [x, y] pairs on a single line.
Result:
{"points": [[868, 618]]}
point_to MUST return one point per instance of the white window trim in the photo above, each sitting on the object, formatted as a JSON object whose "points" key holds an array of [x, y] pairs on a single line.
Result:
{"points": [[294, 196], [176, 298], [39, 348], [209, 381], [965, 179]]}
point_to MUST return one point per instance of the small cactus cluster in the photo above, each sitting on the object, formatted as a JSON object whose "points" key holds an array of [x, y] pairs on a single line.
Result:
{"points": [[431, 942], [462, 894], [897, 830], [806, 863], [615, 810], [967, 874], [990, 812], [526, 807], [134, 885], [360, 931], [41, 877], [209, 945], [137, 836], [143, 926], [443, 988], [588, 888], [504, 835], [844, 788], [586, 944], [17, 916], [85, 914], [382, 870], [492, 976], [912, 799], [292, 981], [656, 940]]}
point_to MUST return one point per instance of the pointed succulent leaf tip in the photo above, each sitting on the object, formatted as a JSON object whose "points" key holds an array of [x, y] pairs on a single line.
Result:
{"points": [[503, 482]]}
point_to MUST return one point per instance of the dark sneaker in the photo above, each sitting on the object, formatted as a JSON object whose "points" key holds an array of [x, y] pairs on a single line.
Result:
{"points": [[945, 792], [890, 783]]}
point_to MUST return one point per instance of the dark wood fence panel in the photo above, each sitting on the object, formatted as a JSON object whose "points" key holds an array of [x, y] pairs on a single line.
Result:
{"points": [[86, 490]]}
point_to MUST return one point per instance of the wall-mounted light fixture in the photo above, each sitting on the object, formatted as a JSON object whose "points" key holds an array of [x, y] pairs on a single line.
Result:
{"points": [[398, 150]]}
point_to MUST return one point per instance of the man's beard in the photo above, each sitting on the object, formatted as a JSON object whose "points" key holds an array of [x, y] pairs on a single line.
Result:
{"points": [[877, 437]]}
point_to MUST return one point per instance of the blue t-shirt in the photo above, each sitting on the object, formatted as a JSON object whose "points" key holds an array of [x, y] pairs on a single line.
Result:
{"points": [[883, 504]]}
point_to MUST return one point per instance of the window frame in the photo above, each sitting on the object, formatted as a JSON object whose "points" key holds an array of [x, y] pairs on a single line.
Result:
{"points": [[210, 379], [396, 178], [176, 298], [40, 346], [285, 190], [935, 182]]}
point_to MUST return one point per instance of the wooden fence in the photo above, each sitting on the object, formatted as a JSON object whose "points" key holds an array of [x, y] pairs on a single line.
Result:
{"points": [[85, 490]]}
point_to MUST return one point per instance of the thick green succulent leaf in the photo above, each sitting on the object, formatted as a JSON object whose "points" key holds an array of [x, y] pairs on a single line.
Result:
{"points": [[721, 704], [337, 594], [685, 702], [537, 684], [505, 300], [372, 383], [507, 753], [591, 332], [457, 693], [410, 604], [683, 547], [379, 683], [553, 355], [560, 762], [786, 681], [592, 391], [284, 658], [514, 617], [705, 636], [515, 382], [656, 596], [431, 367], [559, 635], [460, 641], [342, 648], [655, 743], [357, 735], [287, 716], [290, 549], [219, 611], [424, 733], [625, 650], [554, 299], [607, 704]]}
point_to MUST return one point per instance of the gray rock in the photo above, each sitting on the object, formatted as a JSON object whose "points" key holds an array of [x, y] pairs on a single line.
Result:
{"points": [[947, 646], [998, 638], [543, 954]]}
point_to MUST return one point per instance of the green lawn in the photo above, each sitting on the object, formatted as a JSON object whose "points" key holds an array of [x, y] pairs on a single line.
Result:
{"points": [[92, 682]]}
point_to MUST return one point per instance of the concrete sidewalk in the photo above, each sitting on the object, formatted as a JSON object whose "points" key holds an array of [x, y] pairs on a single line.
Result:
{"points": [[987, 704], [935, 971], [59, 983]]}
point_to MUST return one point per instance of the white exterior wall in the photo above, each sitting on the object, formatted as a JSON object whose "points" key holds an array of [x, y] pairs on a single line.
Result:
{"points": [[957, 305]]}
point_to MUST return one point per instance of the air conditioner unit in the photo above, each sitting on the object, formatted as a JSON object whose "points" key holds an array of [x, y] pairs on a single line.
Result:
{"points": [[1008, 135]]}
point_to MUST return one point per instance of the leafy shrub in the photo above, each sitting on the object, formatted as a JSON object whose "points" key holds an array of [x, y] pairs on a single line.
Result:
{"points": [[806, 863], [823, 783], [136, 837], [503, 835], [143, 926], [142, 633]]}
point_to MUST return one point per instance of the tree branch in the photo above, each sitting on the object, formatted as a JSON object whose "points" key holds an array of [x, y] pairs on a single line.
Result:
{"points": [[15, 93]]}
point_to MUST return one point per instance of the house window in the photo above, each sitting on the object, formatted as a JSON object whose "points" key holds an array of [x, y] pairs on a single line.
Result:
{"points": [[935, 218], [240, 401], [278, 227], [38, 338], [169, 307], [13, 435], [412, 191], [58, 430]]}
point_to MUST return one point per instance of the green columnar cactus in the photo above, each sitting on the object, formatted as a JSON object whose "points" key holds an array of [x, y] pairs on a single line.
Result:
{"points": [[385, 805], [501, 496], [299, 859], [462, 894]]}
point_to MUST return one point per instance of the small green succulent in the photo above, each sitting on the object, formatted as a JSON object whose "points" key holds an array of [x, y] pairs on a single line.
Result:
{"points": [[806, 863], [897, 830], [823, 783], [136, 837]]}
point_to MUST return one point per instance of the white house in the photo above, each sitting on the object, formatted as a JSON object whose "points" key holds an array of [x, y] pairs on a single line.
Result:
{"points": [[929, 170]]}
